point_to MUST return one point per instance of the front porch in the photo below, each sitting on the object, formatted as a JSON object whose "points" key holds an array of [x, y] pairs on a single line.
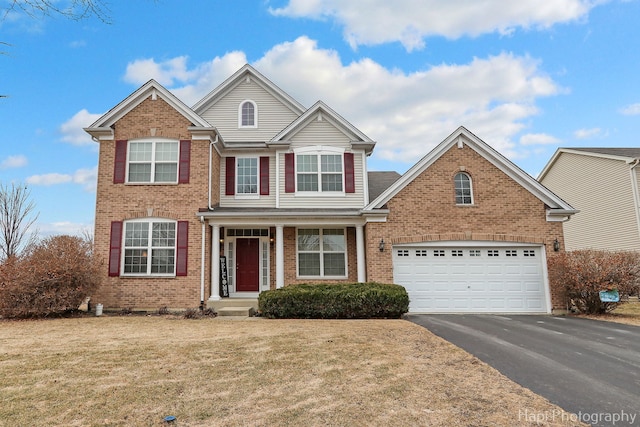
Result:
{"points": [[257, 250]]}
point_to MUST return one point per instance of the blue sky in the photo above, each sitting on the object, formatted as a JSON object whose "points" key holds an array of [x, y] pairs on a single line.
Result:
{"points": [[527, 77]]}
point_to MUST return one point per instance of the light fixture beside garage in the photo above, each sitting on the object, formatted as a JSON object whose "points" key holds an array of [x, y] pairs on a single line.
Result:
{"points": [[556, 245], [381, 245]]}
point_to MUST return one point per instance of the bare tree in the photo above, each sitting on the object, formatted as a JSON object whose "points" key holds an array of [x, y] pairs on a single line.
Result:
{"points": [[71, 9], [17, 216]]}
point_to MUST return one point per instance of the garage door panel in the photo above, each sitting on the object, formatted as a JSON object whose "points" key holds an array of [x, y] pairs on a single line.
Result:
{"points": [[480, 280]]}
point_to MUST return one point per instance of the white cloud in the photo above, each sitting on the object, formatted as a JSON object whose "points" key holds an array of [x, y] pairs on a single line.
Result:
{"points": [[72, 130], [11, 162], [63, 227], [631, 110], [87, 178], [371, 22], [587, 133], [538, 139], [198, 82], [408, 113]]}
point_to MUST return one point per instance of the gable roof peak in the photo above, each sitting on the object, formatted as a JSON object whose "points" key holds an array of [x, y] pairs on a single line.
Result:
{"points": [[151, 89], [462, 136], [244, 72], [624, 154], [356, 135]]}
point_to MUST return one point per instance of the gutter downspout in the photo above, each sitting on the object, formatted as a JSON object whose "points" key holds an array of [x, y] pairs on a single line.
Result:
{"points": [[202, 221], [210, 167], [202, 263], [636, 193]]}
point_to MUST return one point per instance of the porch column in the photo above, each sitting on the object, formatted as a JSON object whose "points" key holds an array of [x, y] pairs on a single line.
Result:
{"points": [[215, 263], [279, 256], [362, 267]]}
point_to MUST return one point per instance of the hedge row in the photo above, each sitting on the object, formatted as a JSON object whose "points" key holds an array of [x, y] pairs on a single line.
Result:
{"points": [[336, 301]]}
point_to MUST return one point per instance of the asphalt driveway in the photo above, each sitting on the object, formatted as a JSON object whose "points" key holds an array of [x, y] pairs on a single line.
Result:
{"points": [[588, 367]]}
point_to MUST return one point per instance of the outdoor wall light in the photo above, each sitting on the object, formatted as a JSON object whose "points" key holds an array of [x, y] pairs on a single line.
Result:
{"points": [[381, 245], [272, 240], [556, 245]]}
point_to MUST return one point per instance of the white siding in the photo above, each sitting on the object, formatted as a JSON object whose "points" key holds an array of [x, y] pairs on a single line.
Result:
{"points": [[261, 202], [601, 189], [323, 133], [273, 116], [320, 201]]}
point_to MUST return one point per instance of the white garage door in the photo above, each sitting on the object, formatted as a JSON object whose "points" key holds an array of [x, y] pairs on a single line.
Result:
{"points": [[487, 279]]}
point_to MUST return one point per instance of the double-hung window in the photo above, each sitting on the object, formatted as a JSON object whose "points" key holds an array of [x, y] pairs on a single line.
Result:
{"points": [[319, 172], [247, 175], [150, 247], [153, 161], [322, 253]]}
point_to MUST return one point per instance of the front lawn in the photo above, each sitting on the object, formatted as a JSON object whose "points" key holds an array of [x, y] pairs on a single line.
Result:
{"points": [[628, 313], [129, 371]]}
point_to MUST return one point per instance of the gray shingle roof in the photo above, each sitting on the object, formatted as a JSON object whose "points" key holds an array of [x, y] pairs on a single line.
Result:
{"points": [[380, 181], [624, 152]]}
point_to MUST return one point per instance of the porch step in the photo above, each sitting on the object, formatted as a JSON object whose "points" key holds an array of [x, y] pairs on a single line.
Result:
{"points": [[236, 311]]}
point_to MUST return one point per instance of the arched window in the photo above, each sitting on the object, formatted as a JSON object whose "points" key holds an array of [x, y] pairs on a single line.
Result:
{"points": [[248, 114], [464, 192]]}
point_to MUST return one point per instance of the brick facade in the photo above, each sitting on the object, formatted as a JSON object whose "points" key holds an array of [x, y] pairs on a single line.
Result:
{"points": [[425, 210], [120, 202]]}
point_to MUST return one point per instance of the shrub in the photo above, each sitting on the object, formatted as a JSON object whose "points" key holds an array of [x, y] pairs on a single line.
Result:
{"points": [[339, 301], [197, 313], [52, 277], [583, 274]]}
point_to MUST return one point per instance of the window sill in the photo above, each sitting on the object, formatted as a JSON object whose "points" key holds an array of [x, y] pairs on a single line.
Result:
{"points": [[247, 197], [151, 183], [146, 276], [320, 194], [322, 277]]}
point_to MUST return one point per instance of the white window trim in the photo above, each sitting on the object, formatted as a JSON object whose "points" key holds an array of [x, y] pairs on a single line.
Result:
{"points": [[153, 161], [470, 189], [149, 247], [319, 151], [255, 115], [247, 196], [322, 276]]}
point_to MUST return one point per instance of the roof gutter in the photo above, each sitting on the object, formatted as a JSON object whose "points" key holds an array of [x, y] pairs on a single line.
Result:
{"points": [[560, 215]]}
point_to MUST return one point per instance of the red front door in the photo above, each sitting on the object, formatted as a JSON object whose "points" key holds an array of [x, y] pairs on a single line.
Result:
{"points": [[247, 265]]}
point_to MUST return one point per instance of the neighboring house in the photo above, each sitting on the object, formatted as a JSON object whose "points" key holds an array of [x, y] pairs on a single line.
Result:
{"points": [[248, 190], [602, 183]]}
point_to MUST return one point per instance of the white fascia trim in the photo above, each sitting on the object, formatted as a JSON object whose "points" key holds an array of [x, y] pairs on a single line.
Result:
{"points": [[151, 89], [560, 215], [490, 154], [100, 133], [203, 133], [284, 221], [327, 114]]}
